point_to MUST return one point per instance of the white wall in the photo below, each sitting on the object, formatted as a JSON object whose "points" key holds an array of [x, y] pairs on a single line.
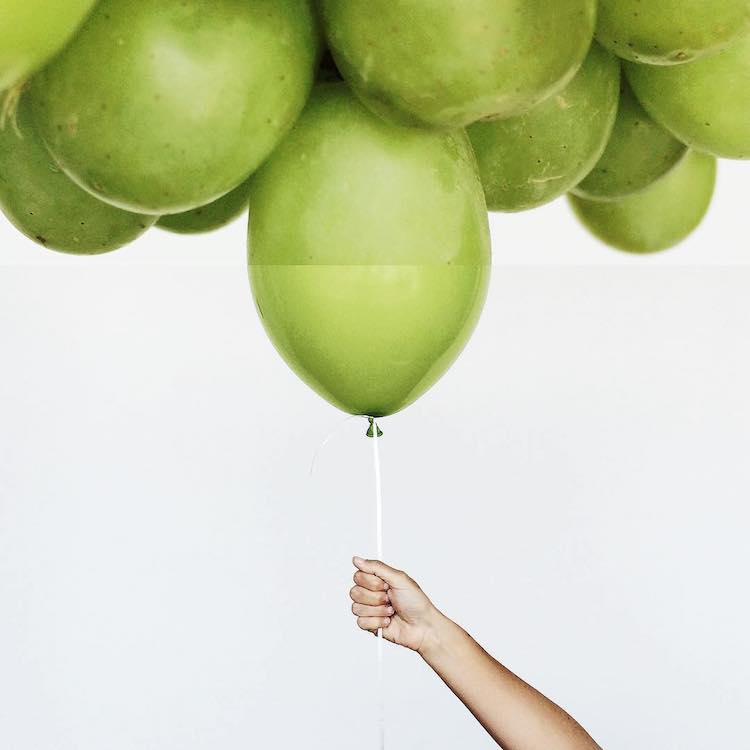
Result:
{"points": [[575, 492]]}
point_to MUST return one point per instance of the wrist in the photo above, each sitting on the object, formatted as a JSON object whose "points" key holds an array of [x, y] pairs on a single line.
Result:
{"points": [[437, 637]]}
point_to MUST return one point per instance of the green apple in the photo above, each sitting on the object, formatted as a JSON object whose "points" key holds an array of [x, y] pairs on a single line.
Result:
{"points": [[369, 252], [670, 32], [639, 152], [658, 217], [531, 159], [705, 103], [448, 64], [32, 31], [47, 206], [211, 217], [162, 106]]}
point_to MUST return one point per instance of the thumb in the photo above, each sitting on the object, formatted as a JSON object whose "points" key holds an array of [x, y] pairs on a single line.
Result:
{"points": [[392, 576]]}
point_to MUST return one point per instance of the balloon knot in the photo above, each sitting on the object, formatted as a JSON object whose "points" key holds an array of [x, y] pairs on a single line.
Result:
{"points": [[373, 427]]}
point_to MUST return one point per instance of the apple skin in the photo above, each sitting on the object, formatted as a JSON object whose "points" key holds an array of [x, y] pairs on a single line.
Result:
{"points": [[659, 217], [211, 217], [705, 103], [162, 106], [32, 31], [448, 64], [369, 253], [529, 160], [638, 153], [670, 32], [45, 205]]}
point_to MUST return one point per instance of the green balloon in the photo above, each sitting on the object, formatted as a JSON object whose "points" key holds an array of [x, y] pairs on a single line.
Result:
{"points": [[706, 103], [670, 32], [211, 217], [658, 217], [639, 152], [162, 106], [32, 31], [531, 159], [47, 206], [369, 253], [448, 64]]}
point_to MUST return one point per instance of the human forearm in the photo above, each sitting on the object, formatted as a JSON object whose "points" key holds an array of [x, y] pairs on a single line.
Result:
{"points": [[516, 715]]}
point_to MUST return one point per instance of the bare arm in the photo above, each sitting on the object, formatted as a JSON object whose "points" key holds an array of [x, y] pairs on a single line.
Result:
{"points": [[517, 716]]}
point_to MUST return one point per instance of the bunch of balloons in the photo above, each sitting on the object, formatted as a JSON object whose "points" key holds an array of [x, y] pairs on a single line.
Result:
{"points": [[368, 175]]}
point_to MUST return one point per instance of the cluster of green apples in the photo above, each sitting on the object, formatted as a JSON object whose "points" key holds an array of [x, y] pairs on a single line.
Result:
{"points": [[368, 139], [121, 114]]}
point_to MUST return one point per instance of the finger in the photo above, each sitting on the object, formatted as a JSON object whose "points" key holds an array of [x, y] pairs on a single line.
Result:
{"points": [[363, 596], [369, 581], [391, 576], [362, 610], [373, 623]]}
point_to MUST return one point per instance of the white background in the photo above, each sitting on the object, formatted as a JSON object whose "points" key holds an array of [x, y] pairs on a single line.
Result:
{"points": [[574, 492]]}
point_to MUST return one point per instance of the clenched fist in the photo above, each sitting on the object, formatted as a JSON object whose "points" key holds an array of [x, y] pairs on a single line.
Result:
{"points": [[389, 599]]}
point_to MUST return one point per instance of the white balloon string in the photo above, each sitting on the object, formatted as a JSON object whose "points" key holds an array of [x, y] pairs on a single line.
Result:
{"points": [[379, 534], [379, 544]]}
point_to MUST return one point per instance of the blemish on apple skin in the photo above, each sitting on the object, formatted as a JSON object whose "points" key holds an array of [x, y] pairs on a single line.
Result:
{"points": [[72, 126]]}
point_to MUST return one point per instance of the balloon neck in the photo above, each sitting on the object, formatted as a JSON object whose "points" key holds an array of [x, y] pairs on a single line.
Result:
{"points": [[373, 427]]}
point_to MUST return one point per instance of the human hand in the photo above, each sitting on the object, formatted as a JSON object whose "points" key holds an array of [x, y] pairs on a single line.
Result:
{"points": [[387, 598]]}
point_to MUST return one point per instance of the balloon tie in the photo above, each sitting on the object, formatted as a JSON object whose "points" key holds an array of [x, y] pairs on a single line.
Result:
{"points": [[375, 433], [373, 426]]}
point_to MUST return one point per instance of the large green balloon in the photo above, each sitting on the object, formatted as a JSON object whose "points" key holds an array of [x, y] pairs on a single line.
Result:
{"points": [[669, 32], [162, 106], [658, 217], [451, 63], [706, 103], [31, 31], [369, 253], [639, 152], [47, 206], [211, 217], [531, 159]]}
